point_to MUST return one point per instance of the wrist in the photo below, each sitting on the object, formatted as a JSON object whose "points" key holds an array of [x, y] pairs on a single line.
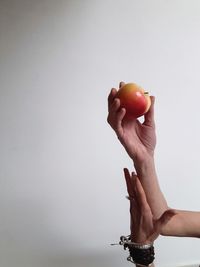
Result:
{"points": [[143, 155], [145, 165], [140, 254], [146, 171], [139, 238], [145, 158]]}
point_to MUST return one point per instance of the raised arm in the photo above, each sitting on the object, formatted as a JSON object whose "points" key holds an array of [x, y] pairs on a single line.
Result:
{"points": [[139, 140], [144, 229]]}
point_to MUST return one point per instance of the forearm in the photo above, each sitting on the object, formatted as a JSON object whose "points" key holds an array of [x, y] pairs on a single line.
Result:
{"points": [[147, 173], [183, 224]]}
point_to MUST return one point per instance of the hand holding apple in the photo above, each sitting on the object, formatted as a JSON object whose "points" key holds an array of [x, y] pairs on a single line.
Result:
{"points": [[139, 139]]}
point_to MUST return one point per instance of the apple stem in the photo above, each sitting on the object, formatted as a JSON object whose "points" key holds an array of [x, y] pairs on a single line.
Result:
{"points": [[146, 93]]}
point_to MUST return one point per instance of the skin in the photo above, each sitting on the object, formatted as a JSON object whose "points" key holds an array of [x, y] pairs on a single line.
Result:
{"points": [[184, 224], [139, 140], [144, 228]]}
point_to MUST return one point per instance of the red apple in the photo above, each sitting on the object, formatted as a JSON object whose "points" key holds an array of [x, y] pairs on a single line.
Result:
{"points": [[134, 99]]}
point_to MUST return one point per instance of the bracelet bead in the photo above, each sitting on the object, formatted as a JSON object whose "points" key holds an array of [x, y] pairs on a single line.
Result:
{"points": [[140, 254]]}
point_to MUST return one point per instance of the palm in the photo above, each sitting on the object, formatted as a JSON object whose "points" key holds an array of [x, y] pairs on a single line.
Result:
{"points": [[144, 228], [137, 138], [142, 225]]}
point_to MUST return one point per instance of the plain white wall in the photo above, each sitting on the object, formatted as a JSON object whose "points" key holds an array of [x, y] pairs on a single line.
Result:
{"points": [[62, 189]]}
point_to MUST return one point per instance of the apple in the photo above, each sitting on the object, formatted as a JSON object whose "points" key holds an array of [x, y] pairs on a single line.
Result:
{"points": [[134, 99]]}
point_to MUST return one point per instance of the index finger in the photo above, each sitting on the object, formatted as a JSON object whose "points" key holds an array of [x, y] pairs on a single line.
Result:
{"points": [[129, 184], [149, 116], [121, 84], [141, 196], [111, 96]]}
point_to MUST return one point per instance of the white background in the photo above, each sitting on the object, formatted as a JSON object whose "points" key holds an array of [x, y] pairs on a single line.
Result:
{"points": [[61, 183]]}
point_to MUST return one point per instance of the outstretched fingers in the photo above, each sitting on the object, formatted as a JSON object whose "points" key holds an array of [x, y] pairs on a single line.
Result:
{"points": [[141, 196], [129, 184]]}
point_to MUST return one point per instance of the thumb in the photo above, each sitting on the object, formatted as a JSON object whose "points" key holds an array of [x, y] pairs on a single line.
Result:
{"points": [[149, 116], [164, 219], [161, 222]]}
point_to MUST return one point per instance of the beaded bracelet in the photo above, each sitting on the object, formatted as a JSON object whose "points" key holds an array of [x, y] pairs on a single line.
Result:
{"points": [[140, 254]]}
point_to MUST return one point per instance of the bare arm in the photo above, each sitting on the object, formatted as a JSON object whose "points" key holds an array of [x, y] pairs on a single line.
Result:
{"points": [[183, 224], [139, 140], [147, 172], [144, 229]]}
